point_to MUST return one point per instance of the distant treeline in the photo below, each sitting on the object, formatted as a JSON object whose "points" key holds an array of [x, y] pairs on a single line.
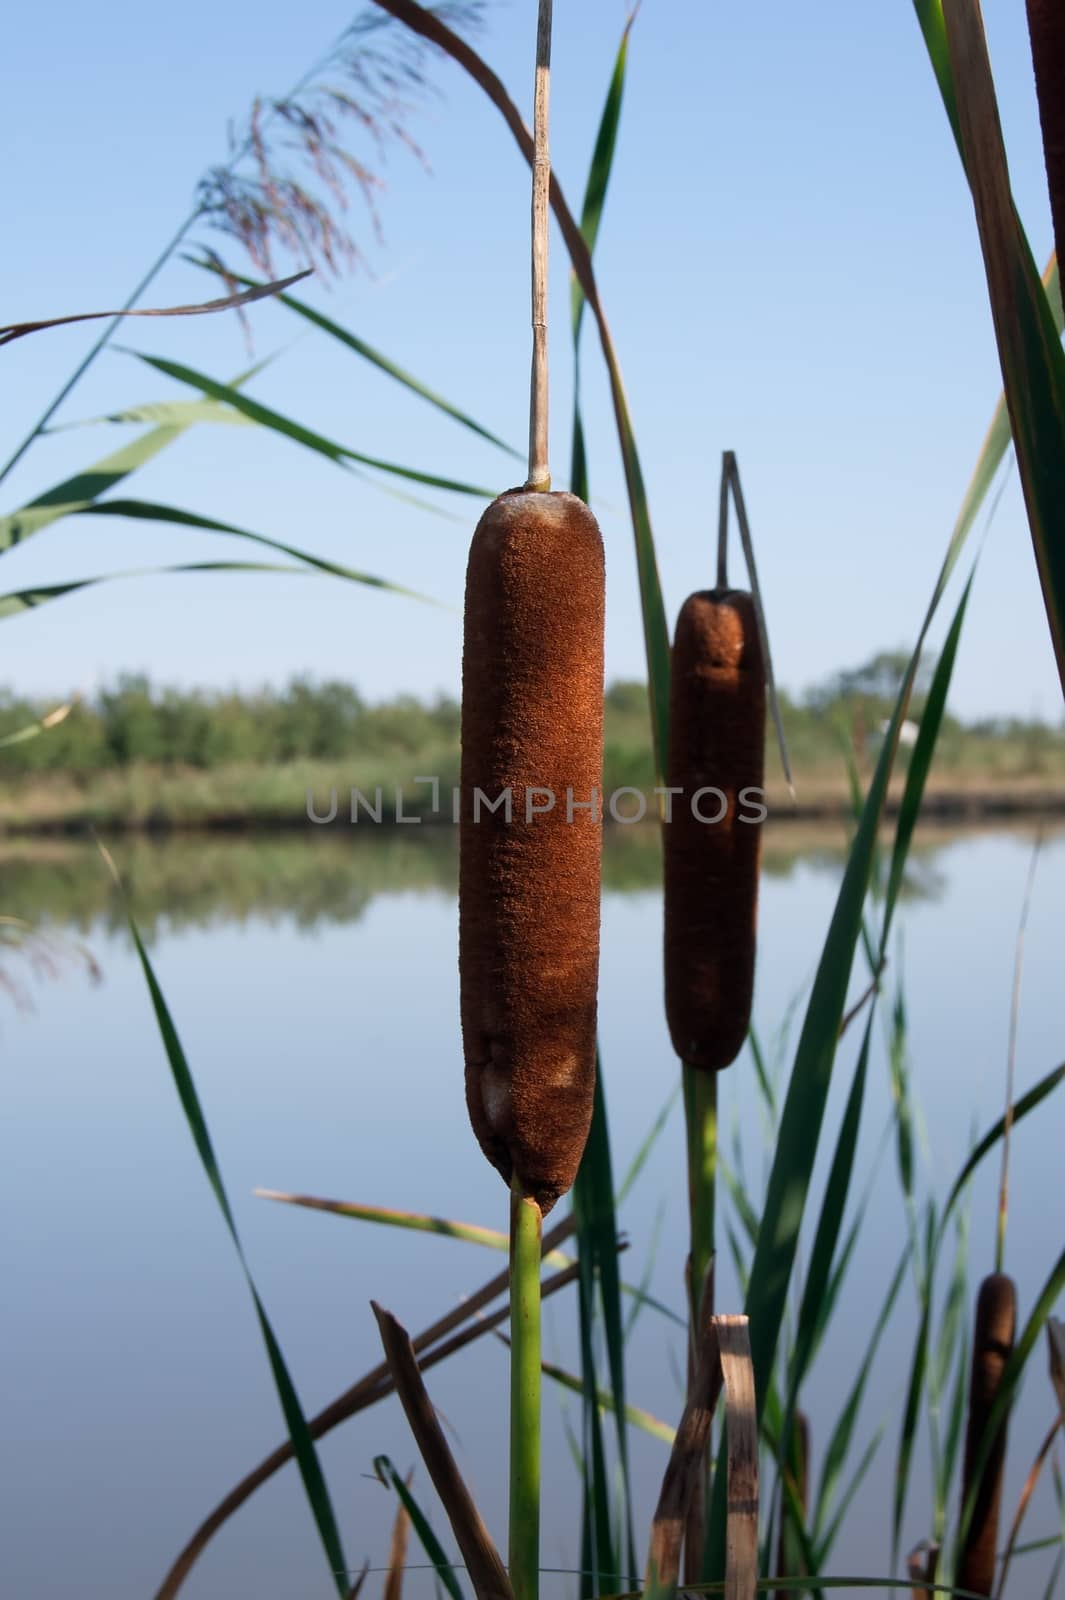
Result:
{"points": [[136, 724]]}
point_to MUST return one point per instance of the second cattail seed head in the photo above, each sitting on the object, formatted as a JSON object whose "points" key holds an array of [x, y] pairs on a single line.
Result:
{"points": [[712, 842], [532, 729]]}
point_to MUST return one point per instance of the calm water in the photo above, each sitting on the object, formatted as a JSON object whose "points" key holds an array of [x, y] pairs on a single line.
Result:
{"points": [[313, 982]]}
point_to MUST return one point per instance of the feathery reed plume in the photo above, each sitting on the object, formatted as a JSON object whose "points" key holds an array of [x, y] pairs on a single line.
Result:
{"points": [[712, 842], [996, 1317], [1046, 27], [532, 731], [294, 195]]}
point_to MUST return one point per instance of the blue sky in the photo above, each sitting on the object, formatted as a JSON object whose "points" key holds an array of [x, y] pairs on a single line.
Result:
{"points": [[788, 260]]}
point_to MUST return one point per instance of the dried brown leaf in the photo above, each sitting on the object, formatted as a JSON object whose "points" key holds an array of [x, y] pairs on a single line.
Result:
{"points": [[231, 302], [483, 1562]]}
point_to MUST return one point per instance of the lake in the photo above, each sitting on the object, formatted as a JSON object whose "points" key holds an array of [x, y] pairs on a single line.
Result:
{"points": [[313, 982]]}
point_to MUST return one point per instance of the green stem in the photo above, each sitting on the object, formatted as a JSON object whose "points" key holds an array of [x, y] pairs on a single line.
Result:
{"points": [[525, 1227], [700, 1111]]}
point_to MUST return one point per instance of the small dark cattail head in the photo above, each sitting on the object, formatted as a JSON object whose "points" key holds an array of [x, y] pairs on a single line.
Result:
{"points": [[712, 840], [993, 1334], [532, 729]]}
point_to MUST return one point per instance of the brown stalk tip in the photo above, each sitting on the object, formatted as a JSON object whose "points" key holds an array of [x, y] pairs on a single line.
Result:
{"points": [[532, 733], [712, 840], [1046, 26], [993, 1334]]}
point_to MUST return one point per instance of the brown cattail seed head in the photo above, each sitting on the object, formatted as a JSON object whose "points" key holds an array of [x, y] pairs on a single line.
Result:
{"points": [[532, 729], [996, 1319], [716, 745], [1046, 25]]}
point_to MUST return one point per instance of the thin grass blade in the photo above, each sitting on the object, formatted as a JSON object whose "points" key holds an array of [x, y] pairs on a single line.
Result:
{"points": [[299, 1433], [21, 600], [308, 437], [591, 216], [826, 1236], [417, 1221], [33, 730], [597, 1234], [18, 330], [842, 1435], [443, 1568], [149, 511], [639, 1160], [1033, 365], [73, 493], [352, 341]]}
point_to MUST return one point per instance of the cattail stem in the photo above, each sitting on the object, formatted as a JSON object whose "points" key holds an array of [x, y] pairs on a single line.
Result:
{"points": [[525, 1227], [539, 470], [700, 1116], [700, 1112]]}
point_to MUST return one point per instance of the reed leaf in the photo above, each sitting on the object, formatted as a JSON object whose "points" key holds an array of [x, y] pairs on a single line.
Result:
{"points": [[635, 1416], [33, 730], [299, 1434], [84, 487], [854, 1482], [804, 1106], [309, 438], [352, 341], [833, 1205], [839, 1443], [1022, 1107], [397, 1553], [591, 216], [416, 1221], [444, 1569], [161, 413], [954, 1431], [761, 1074], [639, 1160], [597, 1236], [594, 1201], [148, 511], [1033, 365], [18, 601], [230, 302], [915, 1385]]}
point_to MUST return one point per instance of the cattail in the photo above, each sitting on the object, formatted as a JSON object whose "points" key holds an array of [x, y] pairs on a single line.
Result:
{"points": [[532, 733], [713, 837], [1046, 26], [996, 1316]]}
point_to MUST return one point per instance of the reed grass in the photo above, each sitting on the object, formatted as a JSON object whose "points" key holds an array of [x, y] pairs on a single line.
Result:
{"points": [[1046, 29], [531, 1076]]}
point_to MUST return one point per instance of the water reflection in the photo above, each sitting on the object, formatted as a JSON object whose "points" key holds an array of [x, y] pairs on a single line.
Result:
{"points": [[190, 881]]}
